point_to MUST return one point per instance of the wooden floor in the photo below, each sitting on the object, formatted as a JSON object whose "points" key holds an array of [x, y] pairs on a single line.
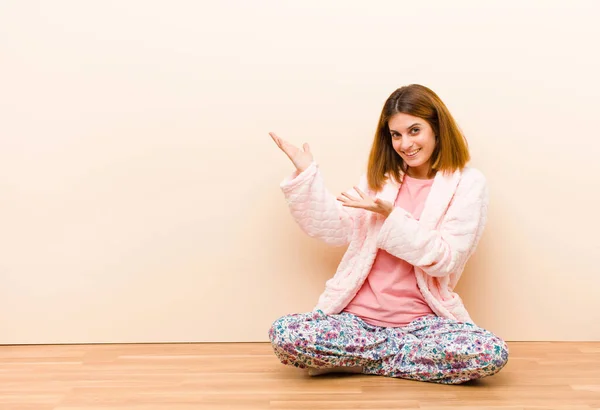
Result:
{"points": [[248, 376]]}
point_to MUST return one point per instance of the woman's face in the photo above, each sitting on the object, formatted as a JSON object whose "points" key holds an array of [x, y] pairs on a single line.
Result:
{"points": [[414, 141]]}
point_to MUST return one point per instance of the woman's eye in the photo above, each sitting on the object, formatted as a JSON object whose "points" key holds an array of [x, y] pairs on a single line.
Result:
{"points": [[415, 130]]}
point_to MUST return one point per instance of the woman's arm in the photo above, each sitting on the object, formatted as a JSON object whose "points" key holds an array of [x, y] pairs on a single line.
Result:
{"points": [[316, 210], [445, 250]]}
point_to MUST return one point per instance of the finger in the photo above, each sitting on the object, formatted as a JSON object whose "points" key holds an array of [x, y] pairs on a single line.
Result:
{"points": [[285, 146], [280, 141], [276, 139], [350, 196], [305, 147], [360, 206], [354, 205], [349, 200], [361, 193]]}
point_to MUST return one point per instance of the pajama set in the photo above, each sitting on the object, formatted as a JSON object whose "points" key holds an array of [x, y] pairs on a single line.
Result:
{"points": [[390, 309]]}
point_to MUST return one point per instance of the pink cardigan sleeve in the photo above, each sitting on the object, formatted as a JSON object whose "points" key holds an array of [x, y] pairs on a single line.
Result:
{"points": [[318, 213], [444, 250]]}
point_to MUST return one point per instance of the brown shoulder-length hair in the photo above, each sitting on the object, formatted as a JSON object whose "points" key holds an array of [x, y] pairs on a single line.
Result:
{"points": [[451, 152]]}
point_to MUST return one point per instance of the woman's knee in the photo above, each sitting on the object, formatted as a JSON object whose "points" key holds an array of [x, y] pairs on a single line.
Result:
{"points": [[500, 355], [278, 330], [286, 340], [285, 329], [493, 356]]}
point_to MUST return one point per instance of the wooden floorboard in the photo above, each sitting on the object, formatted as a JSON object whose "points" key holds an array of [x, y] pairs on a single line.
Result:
{"points": [[248, 376]]}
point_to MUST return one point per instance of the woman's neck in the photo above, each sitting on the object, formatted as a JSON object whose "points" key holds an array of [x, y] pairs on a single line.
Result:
{"points": [[417, 174]]}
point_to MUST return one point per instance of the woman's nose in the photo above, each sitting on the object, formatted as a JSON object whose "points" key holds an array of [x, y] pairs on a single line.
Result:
{"points": [[406, 144]]}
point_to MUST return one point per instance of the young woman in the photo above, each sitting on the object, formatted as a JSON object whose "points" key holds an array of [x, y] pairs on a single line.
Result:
{"points": [[410, 225]]}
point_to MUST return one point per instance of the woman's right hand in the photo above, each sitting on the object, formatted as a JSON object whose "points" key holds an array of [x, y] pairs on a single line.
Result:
{"points": [[301, 158]]}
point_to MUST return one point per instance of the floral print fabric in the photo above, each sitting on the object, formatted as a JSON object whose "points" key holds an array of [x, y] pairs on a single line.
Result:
{"points": [[430, 348]]}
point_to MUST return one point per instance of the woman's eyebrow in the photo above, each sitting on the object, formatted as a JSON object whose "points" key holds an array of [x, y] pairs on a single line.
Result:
{"points": [[416, 123]]}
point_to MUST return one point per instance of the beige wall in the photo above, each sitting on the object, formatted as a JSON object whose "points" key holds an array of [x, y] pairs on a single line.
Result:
{"points": [[139, 196]]}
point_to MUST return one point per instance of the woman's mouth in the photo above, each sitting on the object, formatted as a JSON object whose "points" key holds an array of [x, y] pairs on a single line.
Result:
{"points": [[412, 153]]}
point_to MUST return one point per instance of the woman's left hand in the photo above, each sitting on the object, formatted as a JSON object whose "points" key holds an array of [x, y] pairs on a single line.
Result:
{"points": [[366, 202]]}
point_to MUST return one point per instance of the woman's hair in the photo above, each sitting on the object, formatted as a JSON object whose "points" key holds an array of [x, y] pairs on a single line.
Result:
{"points": [[451, 151]]}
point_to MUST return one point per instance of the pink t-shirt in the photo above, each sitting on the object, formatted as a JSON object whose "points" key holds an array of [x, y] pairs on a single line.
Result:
{"points": [[390, 296]]}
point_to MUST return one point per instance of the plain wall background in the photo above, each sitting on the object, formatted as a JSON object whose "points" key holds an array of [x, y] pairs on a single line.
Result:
{"points": [[139, 189]]}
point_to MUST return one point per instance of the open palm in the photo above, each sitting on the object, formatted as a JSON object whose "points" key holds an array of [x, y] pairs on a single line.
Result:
{"points": [[366, 202], [301, 158]]}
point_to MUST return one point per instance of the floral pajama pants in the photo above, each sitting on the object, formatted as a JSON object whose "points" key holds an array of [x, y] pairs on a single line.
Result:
{"points": [[430, 348]]}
